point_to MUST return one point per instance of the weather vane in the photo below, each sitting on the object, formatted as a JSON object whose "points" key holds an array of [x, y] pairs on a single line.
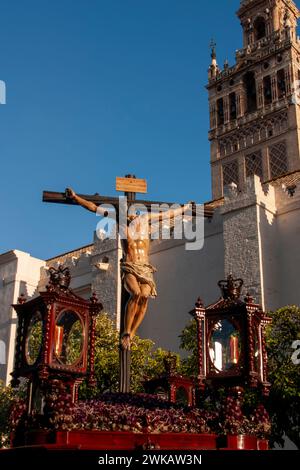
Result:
{"points": [[212, 47]]}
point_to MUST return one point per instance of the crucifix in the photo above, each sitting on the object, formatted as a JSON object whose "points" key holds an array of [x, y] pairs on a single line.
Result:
{"points": [[137, 273]]}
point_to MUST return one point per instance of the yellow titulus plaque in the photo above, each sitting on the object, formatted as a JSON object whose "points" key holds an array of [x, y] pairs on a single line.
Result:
{"points": [[131, 185]]}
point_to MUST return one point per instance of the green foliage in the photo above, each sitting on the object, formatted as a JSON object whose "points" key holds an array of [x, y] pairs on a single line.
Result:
{"points": [[35, 340], [284, 330], [74, 343], [188, 342], [106, 358], [7, 395], [284, 376], [146, 362]]}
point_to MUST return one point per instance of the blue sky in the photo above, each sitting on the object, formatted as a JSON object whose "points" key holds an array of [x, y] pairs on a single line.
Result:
{"points": [[98, 89]]}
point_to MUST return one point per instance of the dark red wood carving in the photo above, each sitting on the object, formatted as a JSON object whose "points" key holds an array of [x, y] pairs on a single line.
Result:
{"points": [[231, 340], [171, 385], [55, 342]]}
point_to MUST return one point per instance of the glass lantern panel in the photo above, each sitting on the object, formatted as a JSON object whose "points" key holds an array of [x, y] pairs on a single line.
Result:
{"points": [[34, 339], [69, 338], [224, 345]]}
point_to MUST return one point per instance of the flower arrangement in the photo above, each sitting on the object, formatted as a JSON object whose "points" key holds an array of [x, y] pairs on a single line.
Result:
{"points": [[17, 413], [135, 413], [261, 422], [120, 412], [139, 413], [235, 421]]}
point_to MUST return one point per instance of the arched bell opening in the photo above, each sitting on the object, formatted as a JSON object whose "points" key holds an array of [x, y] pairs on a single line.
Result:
{"points": [[260, 28]]}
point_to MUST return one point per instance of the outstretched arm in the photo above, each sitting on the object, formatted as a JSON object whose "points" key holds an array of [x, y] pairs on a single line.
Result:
{"points": [[90, 206], [171, 213]]}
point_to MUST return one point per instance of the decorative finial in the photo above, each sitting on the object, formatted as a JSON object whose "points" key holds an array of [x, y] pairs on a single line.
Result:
{"points": [[170, 363], [95, 305], [231, 288], [249, 299], [213, 46], [226, 64], [22, 299], [60, 278], [199, 303], [94, 298], [213, 69]]}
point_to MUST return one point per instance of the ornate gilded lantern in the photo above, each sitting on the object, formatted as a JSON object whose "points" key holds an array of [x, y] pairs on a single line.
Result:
{"points": [[231, 340], [55, 340]]}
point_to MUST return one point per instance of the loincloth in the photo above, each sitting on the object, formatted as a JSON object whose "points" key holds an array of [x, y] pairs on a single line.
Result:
{"points": [[143, 272]]}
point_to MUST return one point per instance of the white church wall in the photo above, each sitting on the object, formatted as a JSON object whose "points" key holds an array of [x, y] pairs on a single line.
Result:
{"points": [[251, 240], [261, 242], [268, 245], [289, 252], [79, 262], [242, 251], [182, 276], [269, 258], [8, 267], [19, 274]]}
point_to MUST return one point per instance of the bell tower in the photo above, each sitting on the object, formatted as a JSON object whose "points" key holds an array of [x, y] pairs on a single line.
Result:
{"points": [[254, 108]]}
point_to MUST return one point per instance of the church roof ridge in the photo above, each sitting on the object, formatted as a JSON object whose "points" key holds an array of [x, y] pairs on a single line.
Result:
{"points": [[71, 252]]}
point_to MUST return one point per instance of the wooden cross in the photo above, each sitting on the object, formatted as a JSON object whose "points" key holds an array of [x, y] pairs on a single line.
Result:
{"points": [[130, 185]]}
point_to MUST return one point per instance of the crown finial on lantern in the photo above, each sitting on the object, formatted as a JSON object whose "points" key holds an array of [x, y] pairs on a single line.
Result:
{"points": [[60, 278], [94, 298], [199, 303], [249, 299], [22, 299], [231, 288]]}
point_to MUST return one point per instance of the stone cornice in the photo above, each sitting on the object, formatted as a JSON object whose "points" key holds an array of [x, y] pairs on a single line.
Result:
{"points": [[253, 195]]}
